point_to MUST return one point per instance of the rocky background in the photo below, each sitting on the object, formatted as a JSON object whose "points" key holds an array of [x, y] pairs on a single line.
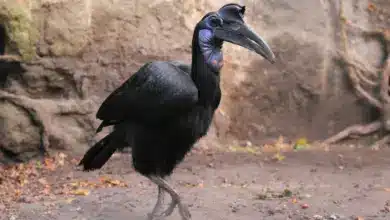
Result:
{"points": [[61, 58]]}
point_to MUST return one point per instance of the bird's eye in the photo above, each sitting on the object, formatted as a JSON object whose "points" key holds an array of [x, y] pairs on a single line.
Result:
{"points": [[215, 21]]}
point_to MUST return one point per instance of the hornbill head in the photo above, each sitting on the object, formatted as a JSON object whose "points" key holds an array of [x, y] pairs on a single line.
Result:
{"points": [[227, 24]]}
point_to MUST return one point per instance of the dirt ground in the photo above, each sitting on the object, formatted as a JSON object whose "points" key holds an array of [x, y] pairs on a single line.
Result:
{"points": [[347, 183]]}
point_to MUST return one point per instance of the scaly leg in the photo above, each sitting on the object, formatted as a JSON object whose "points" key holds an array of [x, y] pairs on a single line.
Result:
{"points": [[160, 200], [170, 209], [176, 200]]}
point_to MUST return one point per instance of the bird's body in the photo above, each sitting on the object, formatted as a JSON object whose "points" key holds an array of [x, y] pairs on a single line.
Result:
{"points": [[166, 107], [160, 137]]}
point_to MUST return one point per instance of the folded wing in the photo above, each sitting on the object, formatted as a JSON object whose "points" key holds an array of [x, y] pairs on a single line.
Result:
{"points": [[155, 93]]}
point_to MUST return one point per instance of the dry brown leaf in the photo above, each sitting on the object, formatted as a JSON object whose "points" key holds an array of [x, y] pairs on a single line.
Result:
{"points": [[371, 7], [49, 164], [115, 182], [18, 192], [111, 182], [75, 184]]}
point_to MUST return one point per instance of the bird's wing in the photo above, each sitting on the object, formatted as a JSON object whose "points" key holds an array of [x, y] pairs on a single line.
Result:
{"points": [[183, 66], [155, 92]]}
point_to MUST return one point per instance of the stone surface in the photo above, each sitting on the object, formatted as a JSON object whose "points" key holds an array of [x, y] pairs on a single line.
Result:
{"points": [[87, 48], [22, 32], [17, 130]]}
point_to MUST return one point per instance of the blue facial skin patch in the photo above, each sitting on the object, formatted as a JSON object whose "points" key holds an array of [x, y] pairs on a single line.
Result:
{"points": [[211, 50]]}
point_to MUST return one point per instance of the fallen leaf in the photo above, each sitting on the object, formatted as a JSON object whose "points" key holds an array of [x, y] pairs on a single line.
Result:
{"points": [[244, 149], [278, 157], [39, 164], [49, 164], [300, 144], [371, 7], [80, 192], [17, 193], [114, 182], [294, 200], [387, 189]]}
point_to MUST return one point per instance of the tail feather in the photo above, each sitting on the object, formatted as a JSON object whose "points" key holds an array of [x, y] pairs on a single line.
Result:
{"points": [[99, 153]]}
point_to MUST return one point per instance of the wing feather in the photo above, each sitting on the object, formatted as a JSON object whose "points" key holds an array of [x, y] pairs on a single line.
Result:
{"points": [[157, 91]]}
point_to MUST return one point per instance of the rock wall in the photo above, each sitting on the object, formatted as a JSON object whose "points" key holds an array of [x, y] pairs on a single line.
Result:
{"points": [[70, 54]]}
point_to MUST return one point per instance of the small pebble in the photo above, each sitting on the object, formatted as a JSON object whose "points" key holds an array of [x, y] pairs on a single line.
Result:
{"points": [[307, 196], [318, 217], [25, 199], [305, 206]]}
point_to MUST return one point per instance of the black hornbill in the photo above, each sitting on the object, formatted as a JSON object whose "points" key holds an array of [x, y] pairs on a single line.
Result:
{"points": [[165, 107]]}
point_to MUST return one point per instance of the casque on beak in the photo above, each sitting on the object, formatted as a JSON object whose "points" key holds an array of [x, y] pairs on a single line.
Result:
{"points": [[239, 33]]}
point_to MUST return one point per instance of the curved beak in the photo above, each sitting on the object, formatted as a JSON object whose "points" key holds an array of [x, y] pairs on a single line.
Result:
{"points": [[240, 34]]}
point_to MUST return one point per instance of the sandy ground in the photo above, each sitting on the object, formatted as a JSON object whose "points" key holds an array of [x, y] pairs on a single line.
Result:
{"points": [[342, 184]]}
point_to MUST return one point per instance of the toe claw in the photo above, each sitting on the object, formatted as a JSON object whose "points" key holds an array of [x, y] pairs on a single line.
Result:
{"points": [[169, 210], [150, 216], [184, 212]]}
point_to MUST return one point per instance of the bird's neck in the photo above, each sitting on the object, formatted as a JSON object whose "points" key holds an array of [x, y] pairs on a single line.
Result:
{"points": [[204, 75]]}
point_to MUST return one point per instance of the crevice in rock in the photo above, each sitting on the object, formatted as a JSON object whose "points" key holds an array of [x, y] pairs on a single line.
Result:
{"points": [[3, 37], [8, 64]]}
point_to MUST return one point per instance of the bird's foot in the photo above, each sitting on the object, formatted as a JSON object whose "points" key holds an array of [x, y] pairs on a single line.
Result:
{"points": [[170, 209], [184, 212], [152, 216]]}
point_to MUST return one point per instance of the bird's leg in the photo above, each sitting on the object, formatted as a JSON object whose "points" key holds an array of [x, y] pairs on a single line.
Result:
{"points": [[176, 200], [170, 208], [160, 200]]}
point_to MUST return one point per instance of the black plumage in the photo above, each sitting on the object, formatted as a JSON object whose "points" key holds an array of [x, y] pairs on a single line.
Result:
{"points": [[165, 107]]}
